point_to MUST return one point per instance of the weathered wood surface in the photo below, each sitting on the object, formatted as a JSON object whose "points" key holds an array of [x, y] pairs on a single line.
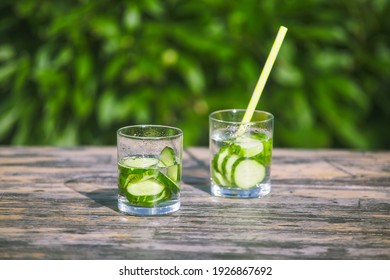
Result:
{"points": [[60, 203]]}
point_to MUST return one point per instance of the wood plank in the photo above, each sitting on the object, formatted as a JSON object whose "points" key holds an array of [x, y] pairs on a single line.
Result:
{"points": [[60, 203]]}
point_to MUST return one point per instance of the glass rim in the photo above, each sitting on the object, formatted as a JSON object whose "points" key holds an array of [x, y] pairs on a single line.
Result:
{"points": [[178, 131], [270, 117]]}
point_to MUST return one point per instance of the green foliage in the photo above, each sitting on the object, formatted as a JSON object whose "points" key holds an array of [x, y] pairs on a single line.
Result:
{"points": [[73, 72]]}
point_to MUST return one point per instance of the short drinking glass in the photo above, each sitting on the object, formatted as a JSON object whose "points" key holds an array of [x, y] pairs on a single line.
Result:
{"points": [[149, 169], [240, 154]]}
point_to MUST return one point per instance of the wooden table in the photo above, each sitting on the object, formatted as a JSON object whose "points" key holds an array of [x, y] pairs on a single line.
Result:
{"points": [[60, 203]]}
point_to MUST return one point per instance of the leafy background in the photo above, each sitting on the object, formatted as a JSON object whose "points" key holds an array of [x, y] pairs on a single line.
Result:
{"points": [[73, 72]]}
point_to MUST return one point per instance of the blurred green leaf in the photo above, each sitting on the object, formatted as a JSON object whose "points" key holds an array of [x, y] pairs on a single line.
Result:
{"points": [[193, 74], [105, 26], [329, 60], [7, 70], [324, 34], [83, 66], [132, 18], [7, 120], [6, 52], [114, 67]]}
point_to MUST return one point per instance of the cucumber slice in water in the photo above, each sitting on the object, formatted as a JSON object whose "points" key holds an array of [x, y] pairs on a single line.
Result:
{"points": [[248, 146], [168, 159], [168, 156], [132, 170], [227, 167], [145, 188], [137, 175], [247, 173], [219, 158], [146, 193], [220, 179], [173, 172], [168, 183], [139, 162]]}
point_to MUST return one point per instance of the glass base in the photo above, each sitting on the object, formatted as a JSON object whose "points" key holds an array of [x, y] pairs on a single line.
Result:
{"points": [[163, 209], [234, 192]]}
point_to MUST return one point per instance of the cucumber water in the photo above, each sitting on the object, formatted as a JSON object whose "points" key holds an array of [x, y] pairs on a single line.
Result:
{"points": [[149, 181], [240, 166]]}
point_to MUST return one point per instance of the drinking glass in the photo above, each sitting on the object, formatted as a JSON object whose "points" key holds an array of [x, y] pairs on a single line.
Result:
{"points": [[149, 169], [240, 153]]}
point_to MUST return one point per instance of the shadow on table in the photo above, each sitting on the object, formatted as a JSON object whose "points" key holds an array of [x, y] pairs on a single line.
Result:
{"points": [[100, 188]]}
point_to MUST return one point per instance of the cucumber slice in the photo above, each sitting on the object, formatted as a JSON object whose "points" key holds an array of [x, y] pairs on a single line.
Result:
{"points": [[220, 157], [247, 173], [139, 162], [219, 179], [173, 172], [150, 203], [135, 169], [168, 159], [145, 188], [168, 156], [215, 175], [169, 185], [135, 175], [146, 193], [248, 146], [227, 166]]}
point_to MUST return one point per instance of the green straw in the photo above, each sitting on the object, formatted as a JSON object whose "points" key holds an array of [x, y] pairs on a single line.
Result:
{"points": [[263, 78]]}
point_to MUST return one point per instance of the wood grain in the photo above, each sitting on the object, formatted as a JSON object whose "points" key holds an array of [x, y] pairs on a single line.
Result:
{"points": [[60, 203]]}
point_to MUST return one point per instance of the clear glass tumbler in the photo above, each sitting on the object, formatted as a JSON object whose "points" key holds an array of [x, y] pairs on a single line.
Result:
{"points": [[149, 169], [240, 153]]}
